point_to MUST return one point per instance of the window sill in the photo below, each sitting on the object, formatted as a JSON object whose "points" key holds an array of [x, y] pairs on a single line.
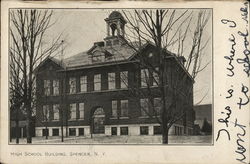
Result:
{"points": [[113, 118], [98, 91], [55, 95], [80, 119], [123, 88], [144, 117], [124, 117], [152, 86], [72, 120], [71, 93], [50, 95], [55, 120], [50, 121]]}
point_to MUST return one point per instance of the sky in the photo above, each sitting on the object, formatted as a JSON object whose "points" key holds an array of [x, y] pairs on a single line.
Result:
{"points": [[80, 28]]}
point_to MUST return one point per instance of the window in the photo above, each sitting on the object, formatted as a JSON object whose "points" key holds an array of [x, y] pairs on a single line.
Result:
{"points": [[81, 110], [72, 131], [83, 84], [56, 87], [46, 113], [157, 106], [98, 58], [72, 85], [114, 131], [144, 107], [55, 132], [124, 108], [156, 78], [157, 130], [56, 112], [124, 130], [72, 114], [114, 108], [97, 82], [144, 77], [144, 130], [81, 131], [124, 79], [46, 87], [45, 132], [111, 80], [178, 130]]}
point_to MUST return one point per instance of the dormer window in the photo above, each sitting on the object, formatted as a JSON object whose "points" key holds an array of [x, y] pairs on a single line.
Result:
{"points": [[98, 56], [96, 59]]}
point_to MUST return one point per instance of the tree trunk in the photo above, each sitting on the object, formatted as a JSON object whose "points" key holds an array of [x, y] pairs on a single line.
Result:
{"points": [[165, 139], [165, 136], [17, 131], [62, 137], [29, 137], [46, 129]]}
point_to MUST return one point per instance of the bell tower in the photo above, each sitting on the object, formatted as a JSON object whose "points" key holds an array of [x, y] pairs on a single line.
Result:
{"points": [[115, 29]]}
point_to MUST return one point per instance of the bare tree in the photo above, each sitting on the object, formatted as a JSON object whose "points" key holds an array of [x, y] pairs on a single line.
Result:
{"points": [[168, 29], [16, 93], [28, 29]]}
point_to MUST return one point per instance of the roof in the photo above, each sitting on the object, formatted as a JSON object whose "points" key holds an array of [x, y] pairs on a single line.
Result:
{"points": [[77, 60], [49, 58], [116, 15], [119, 53]]}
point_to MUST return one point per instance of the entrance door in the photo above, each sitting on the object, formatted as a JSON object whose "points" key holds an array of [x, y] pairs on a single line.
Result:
{"points": [[98, 121]]}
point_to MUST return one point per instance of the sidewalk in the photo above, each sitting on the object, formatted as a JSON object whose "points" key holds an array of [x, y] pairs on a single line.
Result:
{"points": [[120, 140]]}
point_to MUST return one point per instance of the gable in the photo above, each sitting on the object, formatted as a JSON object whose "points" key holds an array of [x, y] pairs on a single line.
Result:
{"points": [[49, 64], [146, 53]]}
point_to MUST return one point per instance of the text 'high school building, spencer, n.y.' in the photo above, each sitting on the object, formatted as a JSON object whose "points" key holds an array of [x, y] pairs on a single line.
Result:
{"points": [[107, 90]]}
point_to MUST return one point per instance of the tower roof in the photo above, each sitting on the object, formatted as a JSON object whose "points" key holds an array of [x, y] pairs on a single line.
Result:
{"points": [[115, 14]]}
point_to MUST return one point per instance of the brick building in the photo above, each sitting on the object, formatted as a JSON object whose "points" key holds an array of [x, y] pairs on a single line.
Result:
{"points": [[92, 92]]}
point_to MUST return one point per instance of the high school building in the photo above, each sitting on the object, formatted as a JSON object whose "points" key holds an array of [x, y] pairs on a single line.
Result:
{"points": [[105, 90]]}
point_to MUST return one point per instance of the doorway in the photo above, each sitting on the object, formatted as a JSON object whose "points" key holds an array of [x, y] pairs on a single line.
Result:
{"points": [[98, 121]]}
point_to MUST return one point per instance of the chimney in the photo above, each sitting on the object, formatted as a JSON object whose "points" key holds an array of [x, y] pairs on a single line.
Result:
{"points": [[100, 44], [182, 59]]}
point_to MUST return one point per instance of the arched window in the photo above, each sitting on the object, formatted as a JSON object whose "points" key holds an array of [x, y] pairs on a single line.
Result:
{"points": [[99, 111]]}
